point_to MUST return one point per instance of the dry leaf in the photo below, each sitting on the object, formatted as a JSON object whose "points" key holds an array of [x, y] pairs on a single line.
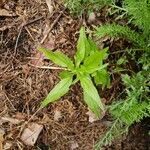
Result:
{"points": [[92, 116], [73, 145], [57, 115], [9, 119], [50, 7], [31, 133], [4, 12]]}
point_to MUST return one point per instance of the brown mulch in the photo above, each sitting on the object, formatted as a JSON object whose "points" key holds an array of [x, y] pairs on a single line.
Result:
{"points": [[23, 85]]}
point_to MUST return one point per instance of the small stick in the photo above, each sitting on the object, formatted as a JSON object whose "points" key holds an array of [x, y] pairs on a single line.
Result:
{"points": [[29, 33], [32, 21], [49, 67], [16, 44], [9, 101], [51, 27], [20, 30], [121, 51]]}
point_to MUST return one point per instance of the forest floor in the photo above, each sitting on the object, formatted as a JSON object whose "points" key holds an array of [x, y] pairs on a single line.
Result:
{"points": [[24, 83]]}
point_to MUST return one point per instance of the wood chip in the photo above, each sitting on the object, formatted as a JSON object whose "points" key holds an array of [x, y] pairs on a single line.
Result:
{"points": [[50, 7], [31, 133], [4, 12]]}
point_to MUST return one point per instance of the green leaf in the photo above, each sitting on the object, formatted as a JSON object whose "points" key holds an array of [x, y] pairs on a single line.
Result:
{"points": [[91, 70], [59, 90], [81, 47], [101, 55], [104, 54], [94, 62], [58, 58], [91, 96], [102, 77], [95, 58], [65, 74], [93, 46], [115, 30]]}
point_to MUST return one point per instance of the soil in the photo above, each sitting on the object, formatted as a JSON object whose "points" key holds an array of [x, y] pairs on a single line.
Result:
{"points": [[23, 83]]}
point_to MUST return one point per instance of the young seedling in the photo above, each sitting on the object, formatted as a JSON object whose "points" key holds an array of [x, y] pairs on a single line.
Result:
{"points": [[88, 64]]}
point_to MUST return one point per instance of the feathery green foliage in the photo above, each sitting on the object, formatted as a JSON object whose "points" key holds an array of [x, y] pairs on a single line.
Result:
{"points": [[88, 63], [136, 105], [139, 10], [139, 14], [79, 6], [133, 109], [115, 30]]}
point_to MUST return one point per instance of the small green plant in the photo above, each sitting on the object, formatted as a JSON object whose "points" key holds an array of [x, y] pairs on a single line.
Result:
{"points": [[135, 102], [88, 64], [134, 108], [79, 6]]}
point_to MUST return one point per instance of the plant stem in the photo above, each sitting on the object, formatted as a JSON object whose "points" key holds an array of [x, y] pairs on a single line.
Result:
{"points": [[50, 67], [120, 8]]}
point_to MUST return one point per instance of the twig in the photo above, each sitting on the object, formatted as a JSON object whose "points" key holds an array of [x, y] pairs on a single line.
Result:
{"points": [[9, 101], [32, 21], [29, 33], [16, 44], [49, 67], [20, 30], [51, 27], [121, 51]]}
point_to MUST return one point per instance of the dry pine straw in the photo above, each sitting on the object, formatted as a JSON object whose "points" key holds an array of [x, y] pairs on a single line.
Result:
{"points": [[22, 86]]}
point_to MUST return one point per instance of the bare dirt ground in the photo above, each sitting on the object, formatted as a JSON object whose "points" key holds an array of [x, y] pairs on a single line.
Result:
{"points": [[24, 83]]}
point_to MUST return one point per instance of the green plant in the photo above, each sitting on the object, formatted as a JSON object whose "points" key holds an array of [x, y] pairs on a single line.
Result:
{"points": [[134, 108], [139, 14], [135, 104], [88, 64], [79, 6]]}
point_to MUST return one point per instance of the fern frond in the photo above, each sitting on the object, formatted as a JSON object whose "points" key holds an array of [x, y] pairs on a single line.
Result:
{"points": [[135, 113], [139, 10], [144, 60], [115, 30], [79, 6], [136, 105], [137, 82], [133, 109], [123, 120], [116, 130]]}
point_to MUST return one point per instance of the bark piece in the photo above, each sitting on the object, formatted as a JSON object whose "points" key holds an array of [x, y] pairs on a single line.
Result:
{"points": [[31, 133]]}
